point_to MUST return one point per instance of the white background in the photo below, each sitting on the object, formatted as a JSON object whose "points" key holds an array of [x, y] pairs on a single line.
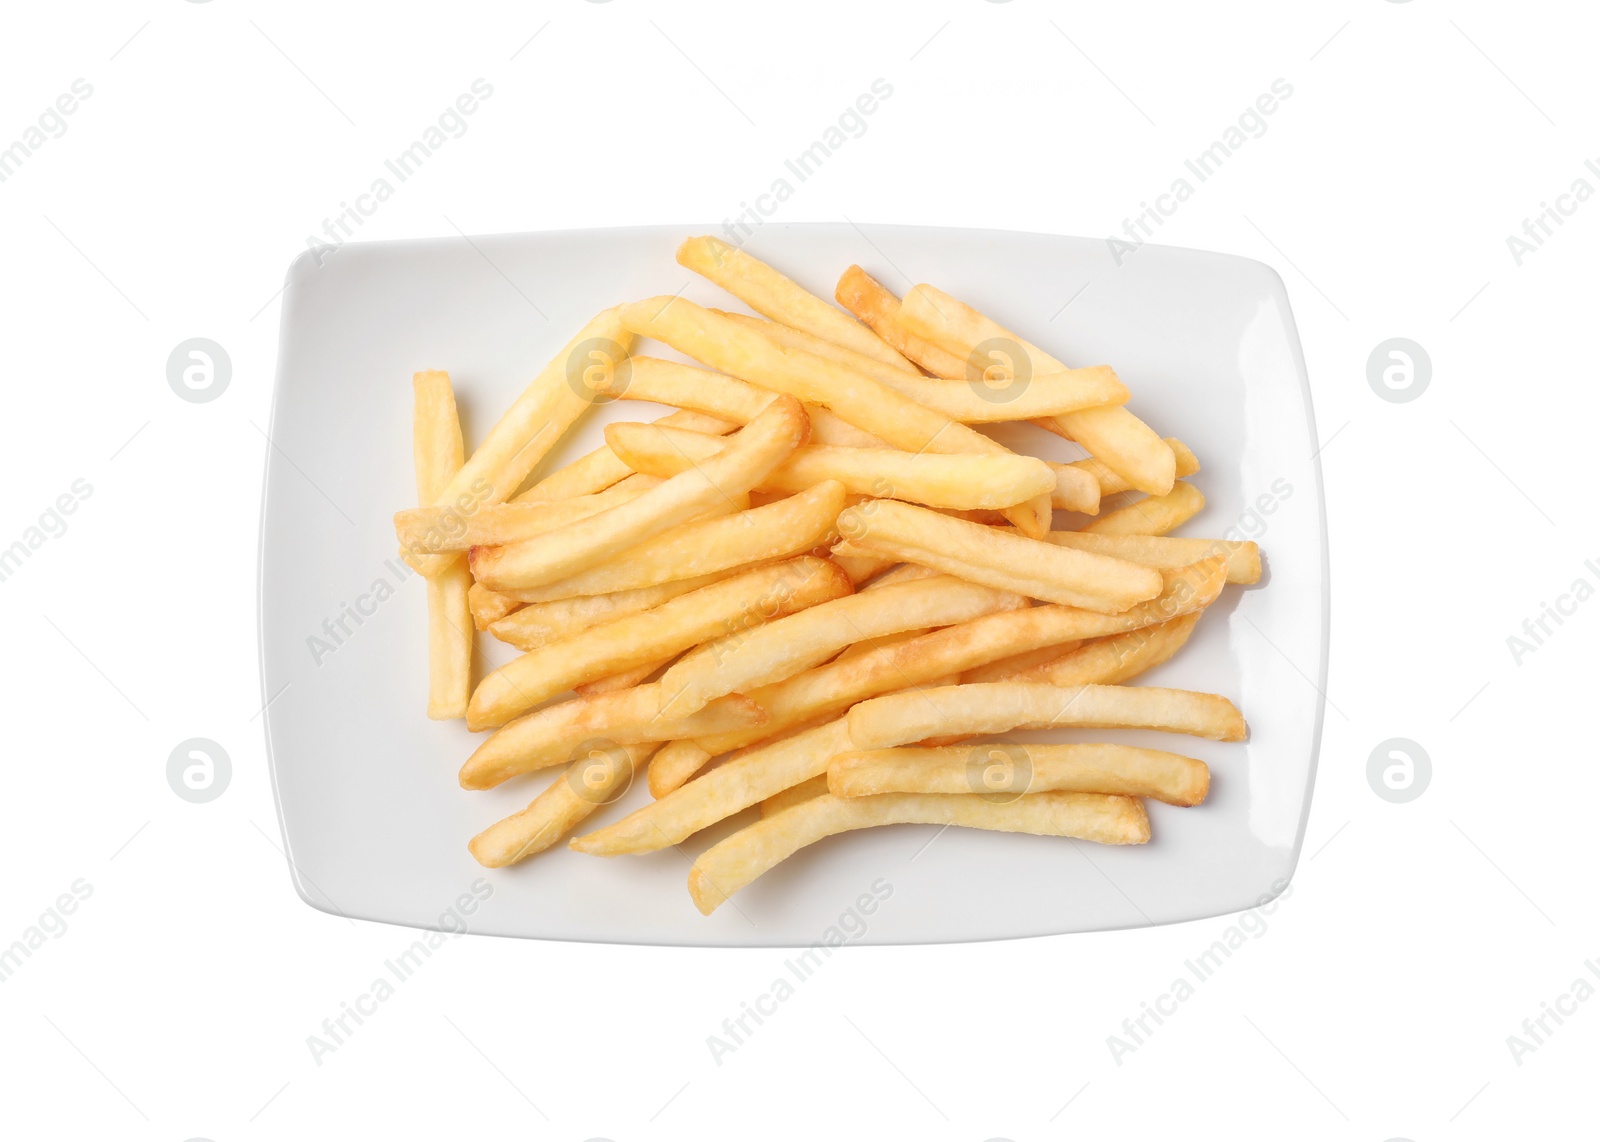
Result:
{"points": [[1417, 937]]}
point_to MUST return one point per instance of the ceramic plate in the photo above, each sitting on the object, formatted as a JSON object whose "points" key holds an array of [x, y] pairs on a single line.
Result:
{"points": [[374, 822]]}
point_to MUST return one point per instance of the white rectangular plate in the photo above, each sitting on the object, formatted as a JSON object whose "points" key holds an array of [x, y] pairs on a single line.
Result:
{"points": [[375, 824]]}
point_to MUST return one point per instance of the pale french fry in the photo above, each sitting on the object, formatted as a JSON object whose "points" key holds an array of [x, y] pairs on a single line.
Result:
{"points": [[1185, 463], [998, 558], [437, 453], [831, 428], [702, 547], [732, 864], [539, 624], [865, 297], [966, 401], [736, 784], [550, 736], [996, 707], [536, 420], [761, 446], [807, 789], [969, 480], [599, 777], [867, 646], [770, 293], [622, 644], [1153, 515], [1014, 668], [432, 529], [1107, 661], [676, 763], [765, 654], [864, 402], [860, 565], [903, 573], [1111, 433], [598, 470], [825, 690], [489, 607], [1167, 551], [1076, 490], [1004, 771]]}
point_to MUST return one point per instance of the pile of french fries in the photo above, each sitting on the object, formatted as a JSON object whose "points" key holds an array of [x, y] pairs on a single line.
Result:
{"points": [[814, 588]]}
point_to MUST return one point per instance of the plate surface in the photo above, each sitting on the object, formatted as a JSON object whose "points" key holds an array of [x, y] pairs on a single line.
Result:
{"points": [[374, 822]]}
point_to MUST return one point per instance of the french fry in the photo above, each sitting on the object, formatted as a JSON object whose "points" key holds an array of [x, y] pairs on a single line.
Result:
{"points": [[1076, 490], [433, 529], [761, 446], [967, 480], [535, 422], [807, 789], [874, 305], [638, 676], [539, 624], [624, 643], [1120, 440], [550, 736], [826, 690], [489, 607], [762, 655], [598, 777], [1105, 661], [768, 292], [732, 864], [598, 470], [858, 564], [832, 429], [676, 763], [998, 558], [437, 453], [1185, 463], [1167, 552], [966, 401], [702, 547], [864, 402], [1016, 666], [736, 784], [1004, 771], [1153, 515], [997, 707], [902, 573]]}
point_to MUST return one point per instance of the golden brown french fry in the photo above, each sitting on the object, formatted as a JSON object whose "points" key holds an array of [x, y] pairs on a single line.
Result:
{"points": [[536, 420], [638, 676], [729, 866], [1111, 433], [966, 401], [676, 763], [1153, 515], [807, 789], [1166, 552], [489, 607], [968, 480], [768, 292], [432, 529], [996, 707], [598, 777], [730, 605], [760, 447], [550, 736], [1107, 661], [437, 452], [1014, 667], [825, 690], [539, 624], [702, 547], [864, 402], [1110, 483], [863, 296], [997, 558], [762, 655], [1003, 771], [736, 784], [598, 470]]}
